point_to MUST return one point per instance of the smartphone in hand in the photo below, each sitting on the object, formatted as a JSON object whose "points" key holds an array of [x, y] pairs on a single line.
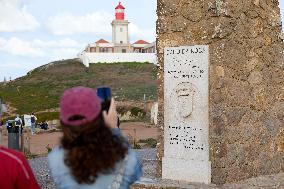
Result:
{"points": [[105, 94]]}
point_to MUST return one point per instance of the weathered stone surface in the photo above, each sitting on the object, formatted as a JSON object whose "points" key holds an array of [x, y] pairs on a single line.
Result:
{"points": [[193, 10], [173, 24], [246, 84]]}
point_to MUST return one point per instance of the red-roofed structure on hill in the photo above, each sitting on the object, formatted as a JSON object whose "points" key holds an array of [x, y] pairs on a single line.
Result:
{"points": [[141, 42], [120, 38], [102, 41]]}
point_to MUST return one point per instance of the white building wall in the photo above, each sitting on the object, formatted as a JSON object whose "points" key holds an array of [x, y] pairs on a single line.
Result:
{"points": [[121, 35], [106, 45], [88, 58], [139, 45]]}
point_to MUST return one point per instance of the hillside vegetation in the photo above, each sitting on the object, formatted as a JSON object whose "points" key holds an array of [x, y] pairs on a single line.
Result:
{"points": [[41, 88]]}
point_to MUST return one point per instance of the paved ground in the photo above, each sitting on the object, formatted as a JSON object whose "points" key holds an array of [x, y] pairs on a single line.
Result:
{"points": [[42, 172]]}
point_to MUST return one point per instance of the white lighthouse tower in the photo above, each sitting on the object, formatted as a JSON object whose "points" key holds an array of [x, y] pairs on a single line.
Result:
{"points": [[120, 37]]}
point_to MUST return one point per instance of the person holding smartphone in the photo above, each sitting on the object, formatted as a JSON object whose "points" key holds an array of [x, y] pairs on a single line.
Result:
{"points": [[93, 153]]}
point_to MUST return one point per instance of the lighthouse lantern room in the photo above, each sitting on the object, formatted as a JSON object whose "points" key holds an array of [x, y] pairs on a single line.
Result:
{"points": [[119, 12]]}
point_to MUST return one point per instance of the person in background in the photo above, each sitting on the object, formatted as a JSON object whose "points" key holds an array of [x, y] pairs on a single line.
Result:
{"points": [[33, 123], [93, 153], [19, 123], [44, 125], [9, 125], [3, 109], [15, 172]]}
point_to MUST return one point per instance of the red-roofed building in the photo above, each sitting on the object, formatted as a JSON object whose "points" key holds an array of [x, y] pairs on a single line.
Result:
{"points": [[100, 46], [139, 45], [139, 42], [120, 38], [102, 41]]}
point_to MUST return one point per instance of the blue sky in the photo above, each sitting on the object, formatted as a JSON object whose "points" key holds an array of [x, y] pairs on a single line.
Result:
{"points": [[35, 32]]}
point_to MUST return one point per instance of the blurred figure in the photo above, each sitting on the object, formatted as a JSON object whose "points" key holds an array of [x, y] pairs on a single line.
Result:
{"points": [[44, 125], [15, 172], [33, 123], [93, 153], [3, 109], [19, 124]]}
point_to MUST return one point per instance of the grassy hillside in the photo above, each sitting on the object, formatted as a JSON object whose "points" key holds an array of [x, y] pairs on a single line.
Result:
{"points": [[41, 88]]}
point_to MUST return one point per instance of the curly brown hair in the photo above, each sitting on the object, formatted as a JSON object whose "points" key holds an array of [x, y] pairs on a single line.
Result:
{"points": [[91, 149]]}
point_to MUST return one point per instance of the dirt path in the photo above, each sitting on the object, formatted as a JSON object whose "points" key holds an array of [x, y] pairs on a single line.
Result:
{"points": [[39, 142]]}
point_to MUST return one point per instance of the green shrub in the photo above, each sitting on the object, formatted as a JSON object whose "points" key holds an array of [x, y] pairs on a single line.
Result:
{"points": [[150, 141], [136, 146], [138, 112], [47, 116]]}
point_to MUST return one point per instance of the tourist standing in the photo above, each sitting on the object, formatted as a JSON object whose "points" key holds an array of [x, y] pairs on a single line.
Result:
{"points": [[93, 153], [33, 123], [19, 124]]}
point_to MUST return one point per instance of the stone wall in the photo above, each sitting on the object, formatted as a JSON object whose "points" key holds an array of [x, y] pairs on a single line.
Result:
{"points": [[246, 79]]}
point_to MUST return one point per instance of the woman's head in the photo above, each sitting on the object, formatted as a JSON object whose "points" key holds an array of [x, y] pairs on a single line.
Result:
{"points": [[90, 146], [79, 106]]}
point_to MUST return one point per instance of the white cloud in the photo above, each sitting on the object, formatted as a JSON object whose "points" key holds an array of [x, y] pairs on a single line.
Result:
{"points": [[16, 46], [14, 17], [97, 23], [54, 44], [15, 69], [137, 33], [31, 54], [64, 48], [64, 53]]}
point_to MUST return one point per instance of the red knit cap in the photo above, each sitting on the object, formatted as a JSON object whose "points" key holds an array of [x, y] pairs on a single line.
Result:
{"points": [[79, 102]]}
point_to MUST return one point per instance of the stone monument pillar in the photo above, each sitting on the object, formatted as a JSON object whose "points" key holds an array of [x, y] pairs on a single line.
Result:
{"points": [[246, 98]]}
